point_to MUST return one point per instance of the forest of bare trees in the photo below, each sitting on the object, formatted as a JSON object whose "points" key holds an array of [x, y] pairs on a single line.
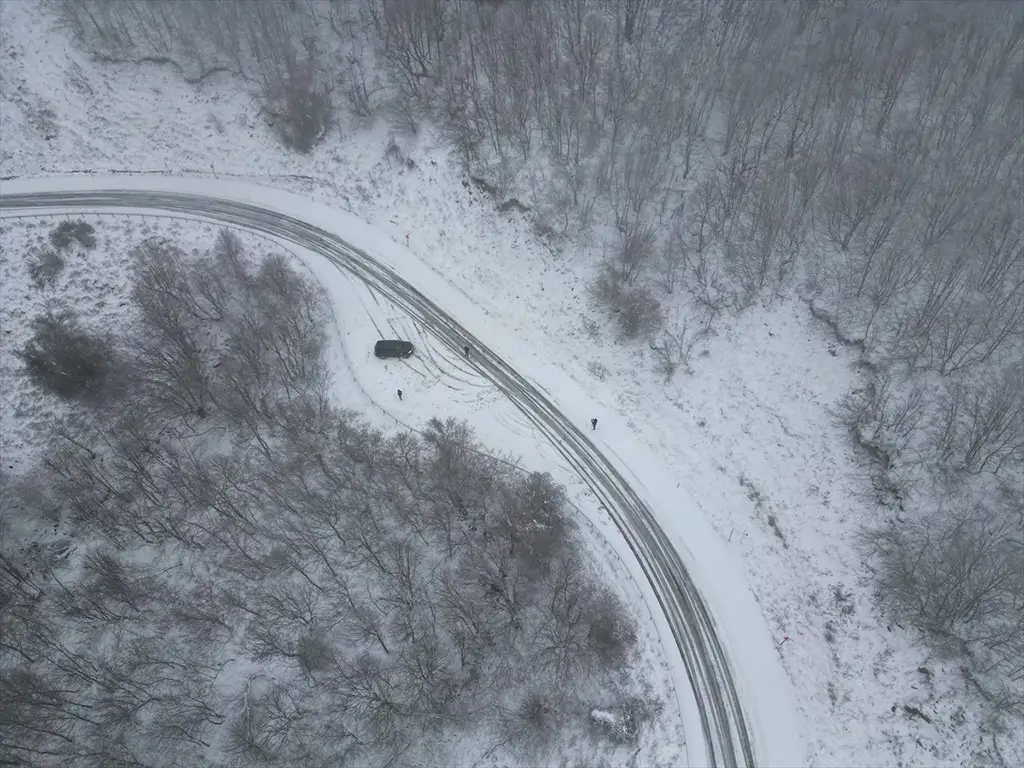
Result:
{"points": [[865, 157], [252, 576]]}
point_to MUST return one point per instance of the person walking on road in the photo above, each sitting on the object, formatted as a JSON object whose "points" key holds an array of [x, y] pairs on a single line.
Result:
{"points": [[466, 350], [399, 394], [593, 424]]}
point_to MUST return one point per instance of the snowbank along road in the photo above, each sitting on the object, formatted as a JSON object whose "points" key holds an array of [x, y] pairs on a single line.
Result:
{"points": [[725, 734]]}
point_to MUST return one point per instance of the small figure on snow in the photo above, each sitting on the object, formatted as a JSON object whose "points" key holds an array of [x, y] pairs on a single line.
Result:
{"points": [[466, 350], [399, 394], [593, 424]]}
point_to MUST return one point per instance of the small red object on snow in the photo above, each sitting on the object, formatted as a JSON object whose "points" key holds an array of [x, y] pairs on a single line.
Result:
{"points": [[784, 639]]}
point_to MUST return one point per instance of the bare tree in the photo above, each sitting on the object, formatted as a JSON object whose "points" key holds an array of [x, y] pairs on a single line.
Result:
{"points": [[954, 573], [433, 682], [561, 646], [414, 36], [982, 426], [584, 628], [671, 258], [373, 692], [772, 236], [171, 370], [857, 193], [635, 16], [805, 112], [893, 51], [1001, 248], [272, 726], [170, 367], [887, 414]]}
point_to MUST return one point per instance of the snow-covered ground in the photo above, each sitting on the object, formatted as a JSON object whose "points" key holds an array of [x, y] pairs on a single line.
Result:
{"points": [[434, 383], [743, 460]]}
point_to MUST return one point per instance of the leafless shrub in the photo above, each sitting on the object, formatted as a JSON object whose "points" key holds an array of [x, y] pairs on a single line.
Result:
{"points": [[622, 723], [843, 599], [393, 152], [612, 631], [43, 119], [598, 370], [300, 110], [65, 360], [773, 523], [829, 632], [676, 348], [534, 722], [44, 266], [637, 312], [68, 232]]}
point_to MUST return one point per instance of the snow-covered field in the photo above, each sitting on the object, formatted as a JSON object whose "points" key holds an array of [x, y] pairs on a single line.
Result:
{"points": [[764, 490]]}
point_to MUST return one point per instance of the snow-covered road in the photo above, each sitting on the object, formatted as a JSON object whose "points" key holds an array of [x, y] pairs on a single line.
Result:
{"points": [[727, 740]]}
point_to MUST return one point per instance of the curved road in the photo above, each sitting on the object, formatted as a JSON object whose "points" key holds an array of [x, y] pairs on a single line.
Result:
{"points": [[725, 732]]}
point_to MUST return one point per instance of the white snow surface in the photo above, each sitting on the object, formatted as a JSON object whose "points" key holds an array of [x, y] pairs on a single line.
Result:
{"points": [[742, 460]]}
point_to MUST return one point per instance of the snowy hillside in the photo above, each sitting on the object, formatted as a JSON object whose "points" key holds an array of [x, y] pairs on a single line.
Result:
{"points": [[742, 453]]}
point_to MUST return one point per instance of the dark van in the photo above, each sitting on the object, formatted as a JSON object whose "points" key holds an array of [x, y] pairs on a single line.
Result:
{"points": [[392, 348]]}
